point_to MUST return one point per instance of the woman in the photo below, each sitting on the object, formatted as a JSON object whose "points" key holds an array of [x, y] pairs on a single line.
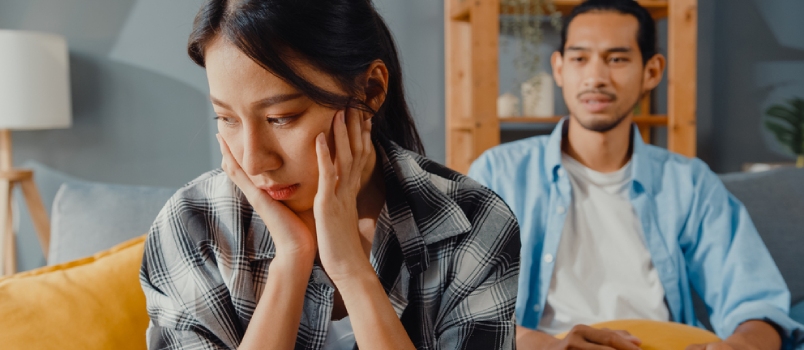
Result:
{"points": [[370, 243]]}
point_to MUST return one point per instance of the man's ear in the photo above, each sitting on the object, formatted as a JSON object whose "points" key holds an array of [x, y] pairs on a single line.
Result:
{"points": [[557, 61], [376, 84], [652, 74]]}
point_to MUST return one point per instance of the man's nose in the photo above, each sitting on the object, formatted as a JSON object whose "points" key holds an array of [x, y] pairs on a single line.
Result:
{"points": [[259, 153], [596, 74]]}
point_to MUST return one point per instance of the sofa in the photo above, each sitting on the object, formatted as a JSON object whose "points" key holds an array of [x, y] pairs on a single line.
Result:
{"points": [[110, 220]]}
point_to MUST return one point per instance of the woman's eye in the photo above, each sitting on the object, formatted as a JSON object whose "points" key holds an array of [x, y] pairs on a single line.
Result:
{"points": [[226, 120], [282, 121]]}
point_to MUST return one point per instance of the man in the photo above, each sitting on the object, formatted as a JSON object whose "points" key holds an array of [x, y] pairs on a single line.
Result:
{"points": [[616, 229]]}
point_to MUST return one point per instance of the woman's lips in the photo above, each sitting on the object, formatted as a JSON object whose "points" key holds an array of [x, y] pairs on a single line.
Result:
{"points": [[283, 192]]}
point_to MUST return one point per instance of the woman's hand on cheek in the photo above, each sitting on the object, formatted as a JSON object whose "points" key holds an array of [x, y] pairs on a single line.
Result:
{"points": [[335, 206], [292, 237]]}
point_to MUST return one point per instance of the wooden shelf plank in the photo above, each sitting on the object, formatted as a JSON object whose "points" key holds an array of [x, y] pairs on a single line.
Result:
{"points": [[657, 8], [656, 120], [461, 10]]}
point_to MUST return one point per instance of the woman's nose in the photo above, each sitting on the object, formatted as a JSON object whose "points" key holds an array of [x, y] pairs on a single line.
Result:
{"points": [[259, 155]]}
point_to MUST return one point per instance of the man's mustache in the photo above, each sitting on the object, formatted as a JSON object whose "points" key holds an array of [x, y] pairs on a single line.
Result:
{"points": [[610, 95]]}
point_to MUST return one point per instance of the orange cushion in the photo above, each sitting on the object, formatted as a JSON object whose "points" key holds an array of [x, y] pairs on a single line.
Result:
{"points": [[656, 335], [90, 303]]}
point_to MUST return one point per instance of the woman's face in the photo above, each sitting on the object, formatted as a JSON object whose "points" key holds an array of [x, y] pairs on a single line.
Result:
{"points": [[270, 126]]}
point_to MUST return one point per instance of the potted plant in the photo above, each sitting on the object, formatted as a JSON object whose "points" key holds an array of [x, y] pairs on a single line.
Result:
{"points": [[522, 20], [786, 122]]}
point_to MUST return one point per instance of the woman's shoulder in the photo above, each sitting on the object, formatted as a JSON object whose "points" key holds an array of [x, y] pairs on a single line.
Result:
{"points": [[481, 207], [456, 185], [210, 188], [189, 213]]}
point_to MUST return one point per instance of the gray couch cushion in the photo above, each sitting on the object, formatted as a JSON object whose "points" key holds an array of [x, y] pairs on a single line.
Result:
{"points": [[48, 181], [88, 217], [775, 201]]}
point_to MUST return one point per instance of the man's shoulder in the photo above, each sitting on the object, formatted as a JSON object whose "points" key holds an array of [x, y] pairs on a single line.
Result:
{"points": [[508, 160], [676, 165], [520, 150]]}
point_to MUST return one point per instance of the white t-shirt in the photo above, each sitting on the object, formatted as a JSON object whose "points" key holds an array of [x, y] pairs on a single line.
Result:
{"points": [[340, 335], [603, 269]]}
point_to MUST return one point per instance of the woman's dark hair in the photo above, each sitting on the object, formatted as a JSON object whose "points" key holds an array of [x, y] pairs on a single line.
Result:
{"points": [[340, 37], [646, 35]]}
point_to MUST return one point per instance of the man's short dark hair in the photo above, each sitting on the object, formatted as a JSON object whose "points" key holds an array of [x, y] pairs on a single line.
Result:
{"points": [[646, 35]]}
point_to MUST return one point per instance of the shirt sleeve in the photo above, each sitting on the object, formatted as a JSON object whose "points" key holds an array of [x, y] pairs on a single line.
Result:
{"points": [[186, 299], [480, 170], [479, 301], [730, 266]]}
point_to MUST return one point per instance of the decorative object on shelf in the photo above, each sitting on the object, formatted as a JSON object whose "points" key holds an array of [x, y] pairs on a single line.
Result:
{"points": [[35, 94], [522, 20], [786, 122], [537, 96], [507, 105]]}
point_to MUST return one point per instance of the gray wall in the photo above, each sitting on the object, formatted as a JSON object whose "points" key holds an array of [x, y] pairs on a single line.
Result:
{"points": [[757, 52], [139, 106]]}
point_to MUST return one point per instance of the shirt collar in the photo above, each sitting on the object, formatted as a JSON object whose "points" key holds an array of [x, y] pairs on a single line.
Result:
{"points": [[640, 168], [421, 212]]}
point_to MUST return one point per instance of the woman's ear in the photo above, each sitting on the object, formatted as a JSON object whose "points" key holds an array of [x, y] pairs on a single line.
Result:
{"points": [[376, 84]]}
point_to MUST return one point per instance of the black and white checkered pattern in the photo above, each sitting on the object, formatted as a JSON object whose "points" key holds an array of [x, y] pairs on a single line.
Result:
{"points": [[446, 251]]}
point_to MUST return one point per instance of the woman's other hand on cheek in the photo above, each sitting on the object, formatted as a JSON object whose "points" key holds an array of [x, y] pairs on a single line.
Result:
{"points": [[335, 206], [293, 239]]}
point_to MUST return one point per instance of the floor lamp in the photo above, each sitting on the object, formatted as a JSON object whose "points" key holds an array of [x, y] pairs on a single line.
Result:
{"points": [[34, 94]]}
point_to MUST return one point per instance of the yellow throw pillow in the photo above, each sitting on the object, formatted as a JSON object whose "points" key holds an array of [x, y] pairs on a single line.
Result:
{"points": [[90, 303], [656, 335]]}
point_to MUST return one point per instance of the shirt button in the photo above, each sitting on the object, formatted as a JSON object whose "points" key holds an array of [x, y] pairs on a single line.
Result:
{"points": [[560, 210], [548, 258], [537, 308], [560, 172]]}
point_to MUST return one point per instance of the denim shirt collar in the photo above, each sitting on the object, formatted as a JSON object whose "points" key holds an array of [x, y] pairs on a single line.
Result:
{"points": [[640, 167]]}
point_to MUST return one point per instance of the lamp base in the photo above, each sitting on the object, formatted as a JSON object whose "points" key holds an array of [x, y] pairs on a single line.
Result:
{"points": [[9, 177]]}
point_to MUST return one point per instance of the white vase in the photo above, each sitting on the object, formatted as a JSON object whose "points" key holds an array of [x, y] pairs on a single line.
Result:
{"points": [[507, 105], [537, 96]]}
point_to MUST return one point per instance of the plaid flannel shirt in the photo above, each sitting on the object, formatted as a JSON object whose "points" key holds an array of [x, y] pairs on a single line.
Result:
{"points": [[446, 251]]}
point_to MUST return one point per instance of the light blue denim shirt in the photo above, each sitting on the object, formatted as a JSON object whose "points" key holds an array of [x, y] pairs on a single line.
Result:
{"points": [[697, 233]]}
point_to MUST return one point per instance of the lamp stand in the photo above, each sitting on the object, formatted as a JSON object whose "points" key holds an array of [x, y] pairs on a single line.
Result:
{"points": [[9, 177]]}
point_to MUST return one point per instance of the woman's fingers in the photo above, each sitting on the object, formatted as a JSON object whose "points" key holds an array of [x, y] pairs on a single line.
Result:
{"points": [[354, 121], [233, 169], [343, 151], [366, 139], [326, 170]]}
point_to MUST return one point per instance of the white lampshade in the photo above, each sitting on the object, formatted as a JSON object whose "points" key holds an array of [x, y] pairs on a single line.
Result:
{"points": [[34, 81]]}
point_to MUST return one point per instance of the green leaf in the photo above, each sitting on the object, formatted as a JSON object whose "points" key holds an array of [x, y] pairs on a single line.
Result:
{"points": [[785, 114], [786, 122]]}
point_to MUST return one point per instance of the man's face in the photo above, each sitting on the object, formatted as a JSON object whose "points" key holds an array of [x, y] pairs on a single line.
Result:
{"points": [[601, 72]]}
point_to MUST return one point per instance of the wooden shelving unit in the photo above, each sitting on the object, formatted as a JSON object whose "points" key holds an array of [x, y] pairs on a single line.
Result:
{"points": [[472, 81]]}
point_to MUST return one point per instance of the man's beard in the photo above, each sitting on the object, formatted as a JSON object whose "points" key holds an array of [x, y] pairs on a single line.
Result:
{"points": [[602, 126]]}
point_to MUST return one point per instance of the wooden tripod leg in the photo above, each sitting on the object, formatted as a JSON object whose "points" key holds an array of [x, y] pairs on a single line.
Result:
{"points": [[11, 261], [38, 213], [7, 238]]}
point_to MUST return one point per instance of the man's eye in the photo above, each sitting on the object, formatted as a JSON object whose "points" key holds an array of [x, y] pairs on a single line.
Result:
{"points": [[577, 59], [618, 59]]}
